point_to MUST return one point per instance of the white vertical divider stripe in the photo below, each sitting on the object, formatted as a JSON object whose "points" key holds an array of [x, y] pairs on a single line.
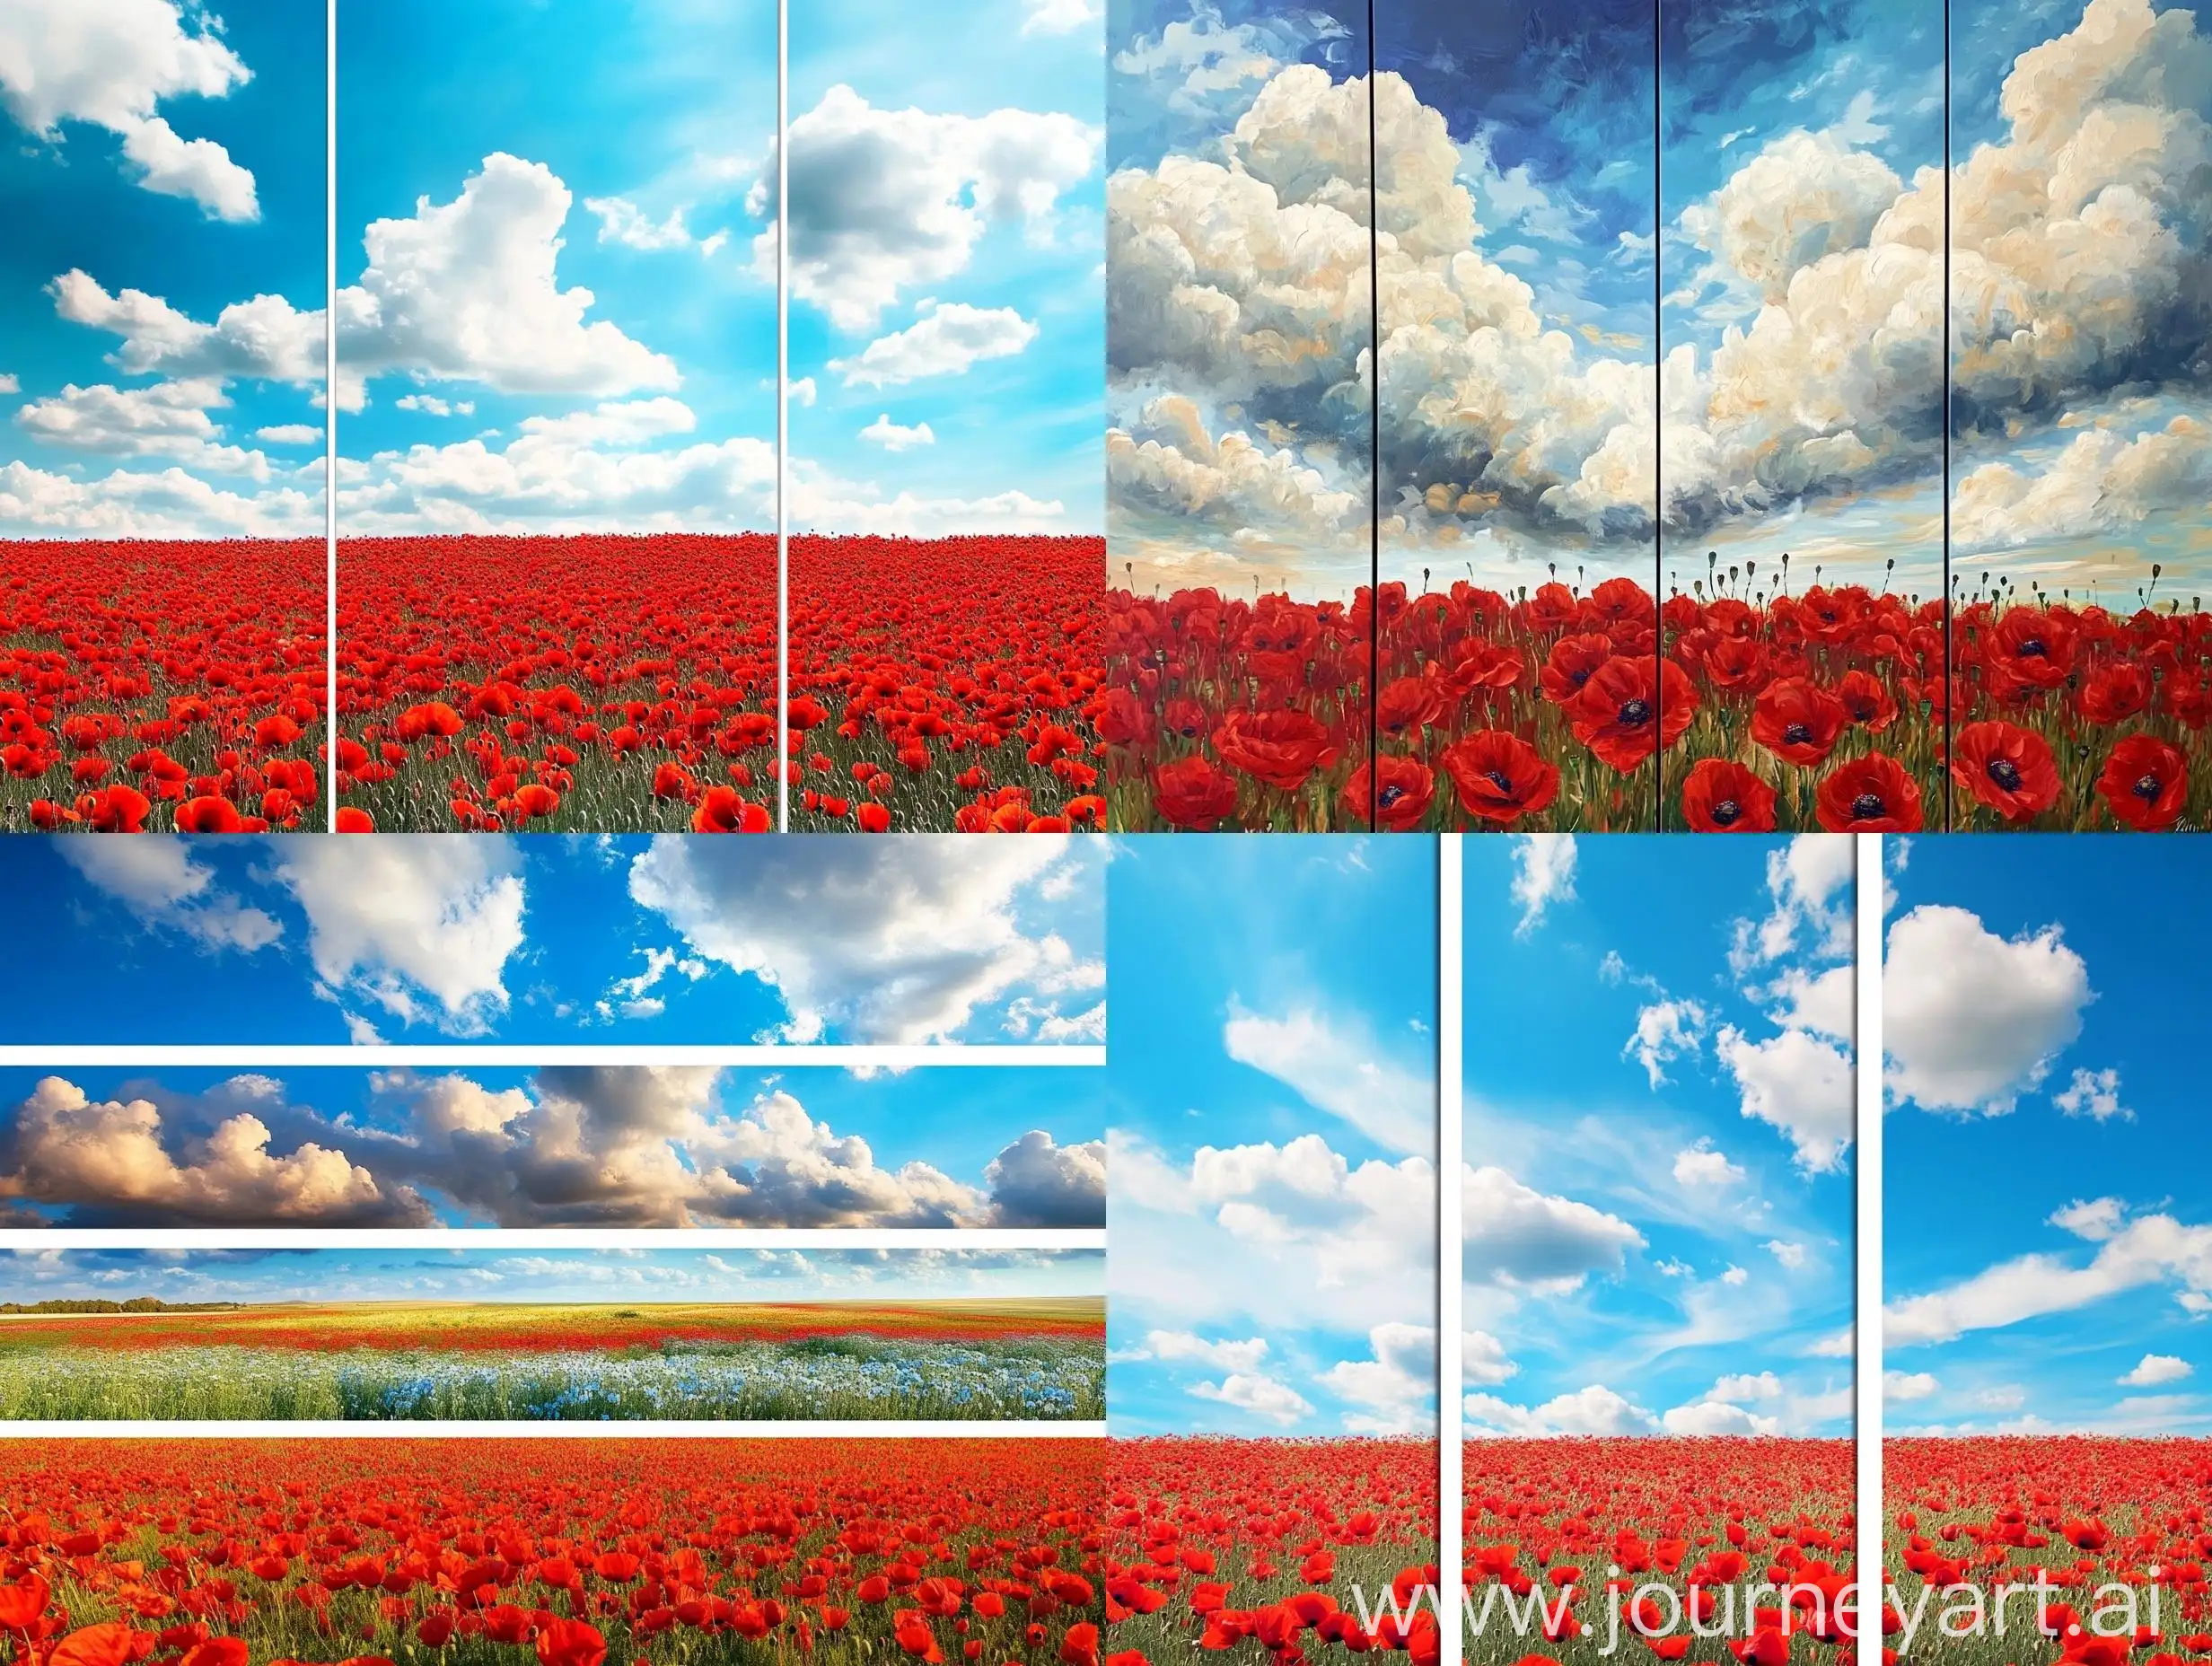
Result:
{"points": [[783, 415], [329, 417], [1451, 1142], [1867, 1355]]}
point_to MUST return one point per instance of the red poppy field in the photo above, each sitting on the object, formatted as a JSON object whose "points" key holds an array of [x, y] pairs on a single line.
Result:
{"points": [[160, 687], [2074, 718], [946, 685], [1708, 1519], [571, 1553], [2098, 1516], [1268, 1549], [584, 684], [1541, 711]]}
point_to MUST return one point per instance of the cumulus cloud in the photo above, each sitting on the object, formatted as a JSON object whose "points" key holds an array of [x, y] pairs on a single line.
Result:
{"points": [[623, 464], [2101, 485], [1483, 1360], [893, 437], [1262, 1396], [1799, 1084], [1593, 1410], [622, 221], [605, 1146], [898, 942], [109, 1161], [2158, 1368], [1717, 1417], [1521, 1238], [421, 926], [885, 202], [265, 339], [168, 419], [1971, 1018], [169, 503], [467, 291], [111, 64], [1395, 1386], [1225, 1354], [2094, 1094], [1702, 1164], [1810, 898], [1058, 17], [945, 342]]}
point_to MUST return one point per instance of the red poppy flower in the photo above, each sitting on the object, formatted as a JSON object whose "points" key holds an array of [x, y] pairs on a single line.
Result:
{"points": [[1499, 776], [1570, 664], [1866, 701], [570, 1643], [1281, 747], [1870, 795], [1796, 721], [2116, 692], [1408, 788], [1631, 706], [2145, 783], [2008, 768], [1722, 796], [1192, 793]]}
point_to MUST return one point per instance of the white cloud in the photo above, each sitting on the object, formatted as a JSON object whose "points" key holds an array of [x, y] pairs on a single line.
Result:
{"points": [[168, 419], [110, 62], [2096, 1219], [1702, 1164], [2096, 1094], [1262, 1396], [1750, 1386], [290, 433], [1223, 1355], [263, 339], [8, 384], [1969, 1018], [1717, 1417], [1736, 1276], [821, 502], [2148, 1249], [1519, 1237], [1483, 1360], [421, 925], [158, 878], [2155, 1368], [1665, 1030], [1544, 873], [1593, 1410], [1058, 17], [1825, 1002], [467, 291], [1036, 1181], [65, 1147], [430, 405], [1903, 1386], [1335, 1068], [946, 341], [1799, 1084], [1792, 1256], [898, 941], [1809, 892], [621, 221], [1397, 1386], [884, 202], [891, 437], [597, 469], [137, 504]]}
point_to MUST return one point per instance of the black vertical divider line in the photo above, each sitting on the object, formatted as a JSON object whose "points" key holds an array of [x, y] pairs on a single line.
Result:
{"points": [[1374, 448]]}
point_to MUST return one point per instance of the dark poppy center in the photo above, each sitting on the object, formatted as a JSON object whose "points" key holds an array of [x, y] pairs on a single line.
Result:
{"points": [[2005, 774], [1797, 734], [1389, 796], [1500, 780], [1727, 813], [1866, 807], [1634, 713], [2148, 787], [2032, 649]]}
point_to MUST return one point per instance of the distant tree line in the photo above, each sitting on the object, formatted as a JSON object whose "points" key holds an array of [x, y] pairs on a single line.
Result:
{"points": [[137, 1305]]}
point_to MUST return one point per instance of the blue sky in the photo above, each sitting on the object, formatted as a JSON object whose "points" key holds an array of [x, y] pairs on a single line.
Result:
{"points": [[1658, 1104], [1271, 1096], [2048, 1263], [633, 940], [948, 296], [590, 1276], [607, 1145], [152, 158], [501, 165]]}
